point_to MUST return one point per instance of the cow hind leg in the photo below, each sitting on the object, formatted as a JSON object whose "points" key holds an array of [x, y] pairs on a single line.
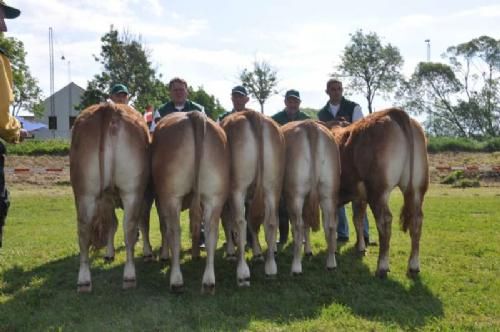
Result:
{"points": [[329, 216], [415, 233], [132, 214], [147, 250], [169, 217], [110, 247], [295, 214], [383, 218], [242, 271], [271, 228], [86, 207], [359, 211], [211, 217], [227, 225]]}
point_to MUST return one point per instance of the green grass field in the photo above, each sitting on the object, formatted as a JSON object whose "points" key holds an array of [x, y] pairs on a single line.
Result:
{"points": [[458, 288]]}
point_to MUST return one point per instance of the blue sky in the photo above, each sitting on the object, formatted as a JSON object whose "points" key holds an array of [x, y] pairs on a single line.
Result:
{"points": [[209, 42]]}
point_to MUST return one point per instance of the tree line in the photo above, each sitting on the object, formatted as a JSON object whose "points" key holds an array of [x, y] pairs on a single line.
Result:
{"points": [[459, 97]]}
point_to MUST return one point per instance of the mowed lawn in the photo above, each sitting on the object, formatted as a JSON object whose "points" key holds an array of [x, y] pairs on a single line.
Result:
{"points": [[458, 288]]}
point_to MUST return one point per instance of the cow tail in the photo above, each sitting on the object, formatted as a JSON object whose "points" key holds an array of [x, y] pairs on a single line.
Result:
{"points": [[199, 123], [103, 219], [310, 212], [408, 211], [257, 206]]}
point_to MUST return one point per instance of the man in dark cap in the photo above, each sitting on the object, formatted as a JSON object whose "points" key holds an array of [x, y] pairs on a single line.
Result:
{"points": [[10, 128], [289, 114], [239, 98]]}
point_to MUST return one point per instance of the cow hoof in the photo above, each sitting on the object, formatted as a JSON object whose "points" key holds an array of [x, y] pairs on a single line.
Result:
{"points": [[258, 258], [413, 273], [164, 260], [244, 282], [271, 276], [331, 268], [84, 288], [177, 289], [109, 259], [382, 274], [129, 283], [149, 258], [231, 257], [296, 274], [208, 289], [308, 255]]}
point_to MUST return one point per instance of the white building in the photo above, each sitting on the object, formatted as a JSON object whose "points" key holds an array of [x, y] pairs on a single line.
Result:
{"points": [[60, 113]]}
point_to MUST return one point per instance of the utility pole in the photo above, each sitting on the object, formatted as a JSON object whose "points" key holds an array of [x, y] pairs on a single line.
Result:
{"points": [[52, 118], [428, 41]]}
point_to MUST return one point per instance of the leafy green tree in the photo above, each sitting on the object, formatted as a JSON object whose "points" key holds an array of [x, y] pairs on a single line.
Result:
{"points": [[312, 112], [371, 67], [125, 60], [27, 93], [213, 108], [460, 98], [261, 82]]}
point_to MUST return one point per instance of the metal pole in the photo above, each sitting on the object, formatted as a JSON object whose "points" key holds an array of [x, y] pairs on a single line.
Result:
{"points": [[51, 57], [428, 41]]}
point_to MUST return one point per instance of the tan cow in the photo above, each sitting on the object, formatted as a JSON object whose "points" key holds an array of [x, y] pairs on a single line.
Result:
{"points": [[384, 150], [190, 163], [312, 179], [257, 157], [109, 162]]}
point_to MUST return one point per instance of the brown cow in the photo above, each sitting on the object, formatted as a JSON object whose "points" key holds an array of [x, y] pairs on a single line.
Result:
{"points": [[312, 178], [257, 157], [109, 162], [384, 150], [190, 163]]}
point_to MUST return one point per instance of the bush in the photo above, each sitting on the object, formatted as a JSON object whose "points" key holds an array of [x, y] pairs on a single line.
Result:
{"points": [[455, 144], [466, 183], [453, 177], [58, 147]]}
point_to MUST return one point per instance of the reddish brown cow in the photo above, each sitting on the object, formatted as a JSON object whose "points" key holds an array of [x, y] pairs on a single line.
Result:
{"points": [[109, 162], [384, 150], [190, 163], [312, 178], [257, 157]]}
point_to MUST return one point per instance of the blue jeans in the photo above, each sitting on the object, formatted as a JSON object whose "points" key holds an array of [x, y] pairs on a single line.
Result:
{"points": [[343, 225]]}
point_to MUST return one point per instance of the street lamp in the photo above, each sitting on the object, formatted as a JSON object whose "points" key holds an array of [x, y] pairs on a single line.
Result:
{"points": [[428, 41]]}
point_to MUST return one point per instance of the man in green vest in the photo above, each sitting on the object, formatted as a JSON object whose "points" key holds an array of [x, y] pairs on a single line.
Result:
{"points": [[341, 109], [178, 89], [10, 128], [290, 113]]}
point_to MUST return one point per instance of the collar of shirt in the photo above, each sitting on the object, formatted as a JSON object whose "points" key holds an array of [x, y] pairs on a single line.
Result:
{"points": [[334, 109]]}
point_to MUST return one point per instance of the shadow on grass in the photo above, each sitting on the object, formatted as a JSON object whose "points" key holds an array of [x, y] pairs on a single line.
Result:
{"points": [[45, 297]]}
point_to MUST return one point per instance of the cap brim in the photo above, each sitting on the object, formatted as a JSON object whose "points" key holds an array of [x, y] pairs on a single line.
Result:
{"points": [[295, 97], [11, 12], [238, 93]]}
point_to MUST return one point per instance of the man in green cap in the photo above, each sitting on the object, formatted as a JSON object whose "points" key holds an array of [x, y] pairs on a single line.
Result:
{"points": [[119, 94], [289, 114], [10, 128]]}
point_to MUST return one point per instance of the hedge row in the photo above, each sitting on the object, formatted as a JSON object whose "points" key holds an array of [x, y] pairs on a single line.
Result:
{"points": [[435, 144]]}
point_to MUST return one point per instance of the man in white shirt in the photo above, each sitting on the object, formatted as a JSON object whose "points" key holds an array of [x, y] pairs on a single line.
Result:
{"points": [[341, 109]]}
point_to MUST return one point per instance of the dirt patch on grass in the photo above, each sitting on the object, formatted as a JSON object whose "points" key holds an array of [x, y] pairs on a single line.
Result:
{"points": [[54, 170]]}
